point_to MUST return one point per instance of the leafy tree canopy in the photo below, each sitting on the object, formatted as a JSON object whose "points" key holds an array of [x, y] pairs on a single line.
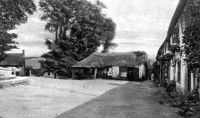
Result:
{"points": [[12, 13], [191, 37], [80, 28], [140, 54]]}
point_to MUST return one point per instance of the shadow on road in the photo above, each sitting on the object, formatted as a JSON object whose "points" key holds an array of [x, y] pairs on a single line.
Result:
{"points": [[132, 100]]}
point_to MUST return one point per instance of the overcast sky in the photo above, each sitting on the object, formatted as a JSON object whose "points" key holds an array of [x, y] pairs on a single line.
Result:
{"points": [[141, 25]]}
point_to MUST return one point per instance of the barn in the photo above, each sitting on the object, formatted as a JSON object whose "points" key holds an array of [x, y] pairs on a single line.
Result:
{"points": [[122, 66]]}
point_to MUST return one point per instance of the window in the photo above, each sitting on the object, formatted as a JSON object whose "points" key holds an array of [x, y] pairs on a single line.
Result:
{"points": [[179, 71], [167, 46], [175, 39], [164, 49]]}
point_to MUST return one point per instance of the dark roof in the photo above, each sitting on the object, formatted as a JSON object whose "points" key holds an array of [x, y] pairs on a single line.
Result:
{"points": [[13, 59], [178, 12], [109, 59], [33, 62]]}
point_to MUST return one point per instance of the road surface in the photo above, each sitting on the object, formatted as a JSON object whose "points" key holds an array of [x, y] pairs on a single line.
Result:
{"points": [[47, 98], [132, 100]]}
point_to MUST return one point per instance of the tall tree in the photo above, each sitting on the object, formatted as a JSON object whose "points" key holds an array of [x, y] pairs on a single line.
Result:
{"points": [[80, 28], [12, 13]]}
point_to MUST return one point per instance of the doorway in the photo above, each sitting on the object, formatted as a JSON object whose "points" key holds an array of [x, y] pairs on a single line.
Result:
{"points": [[133, 74]]}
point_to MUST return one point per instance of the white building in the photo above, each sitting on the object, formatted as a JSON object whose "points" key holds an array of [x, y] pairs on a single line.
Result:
{"points": [[170, 60]]}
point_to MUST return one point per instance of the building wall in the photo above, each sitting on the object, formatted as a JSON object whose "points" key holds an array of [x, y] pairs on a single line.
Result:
{"points": [[48, 75], [182, 86], [184, 69], [115, 71], [21, 71], [142, 71], [172, 71], [5, 71], [15, 70]]}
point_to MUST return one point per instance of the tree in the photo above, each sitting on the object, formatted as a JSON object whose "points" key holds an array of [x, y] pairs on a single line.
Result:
{"points": [[12, 13], [141, 54], [191, 38], [80, 28]]}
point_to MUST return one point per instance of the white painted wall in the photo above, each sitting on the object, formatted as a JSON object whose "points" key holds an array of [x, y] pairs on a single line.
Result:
{"points": [[171, 71], [115, 71], [192, 81], [142, 71], [5, 71], [48, 76], [183, 85]]}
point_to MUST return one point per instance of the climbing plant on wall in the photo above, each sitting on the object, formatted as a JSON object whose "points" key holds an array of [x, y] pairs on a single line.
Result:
{"points": [[191, 38]]}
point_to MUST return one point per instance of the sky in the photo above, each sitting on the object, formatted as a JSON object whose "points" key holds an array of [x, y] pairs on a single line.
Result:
{"points": [[141, 25]]}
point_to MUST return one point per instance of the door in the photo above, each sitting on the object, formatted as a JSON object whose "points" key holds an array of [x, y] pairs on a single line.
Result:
{"points": [[133, 74], [136, 73], [130, 74]]}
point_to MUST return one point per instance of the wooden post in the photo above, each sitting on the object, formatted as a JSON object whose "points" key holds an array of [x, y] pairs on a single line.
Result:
{"points": [[95, 73], [73, 73]]}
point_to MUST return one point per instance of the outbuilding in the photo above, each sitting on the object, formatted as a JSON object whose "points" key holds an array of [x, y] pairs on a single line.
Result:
{"points": [[123, 66]]}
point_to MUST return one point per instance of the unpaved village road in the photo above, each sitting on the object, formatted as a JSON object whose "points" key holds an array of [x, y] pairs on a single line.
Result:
{"points": [[53, 98], [132, 100], [48, 98]]}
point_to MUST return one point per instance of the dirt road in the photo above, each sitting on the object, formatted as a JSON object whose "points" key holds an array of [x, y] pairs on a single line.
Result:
{"points": [[47, 98], [132, 100]]}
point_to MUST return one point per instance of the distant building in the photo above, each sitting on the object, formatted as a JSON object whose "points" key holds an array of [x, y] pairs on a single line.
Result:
{"points": [[15, 62], [125, 66], [33, 66]]}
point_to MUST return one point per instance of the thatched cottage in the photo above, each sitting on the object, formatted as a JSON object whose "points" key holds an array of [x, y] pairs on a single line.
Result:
{"points": [[15, 62], [33, 66], [126, 66]]}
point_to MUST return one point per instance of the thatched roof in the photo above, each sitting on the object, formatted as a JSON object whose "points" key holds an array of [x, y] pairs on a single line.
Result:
{"points": [[109, 59], [178, 12], [13, 59]]}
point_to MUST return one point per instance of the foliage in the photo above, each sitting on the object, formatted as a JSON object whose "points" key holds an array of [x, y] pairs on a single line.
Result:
{"points": [[140, 54], [12, 13], [191, 37], [80, 28], [174, 48]]}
